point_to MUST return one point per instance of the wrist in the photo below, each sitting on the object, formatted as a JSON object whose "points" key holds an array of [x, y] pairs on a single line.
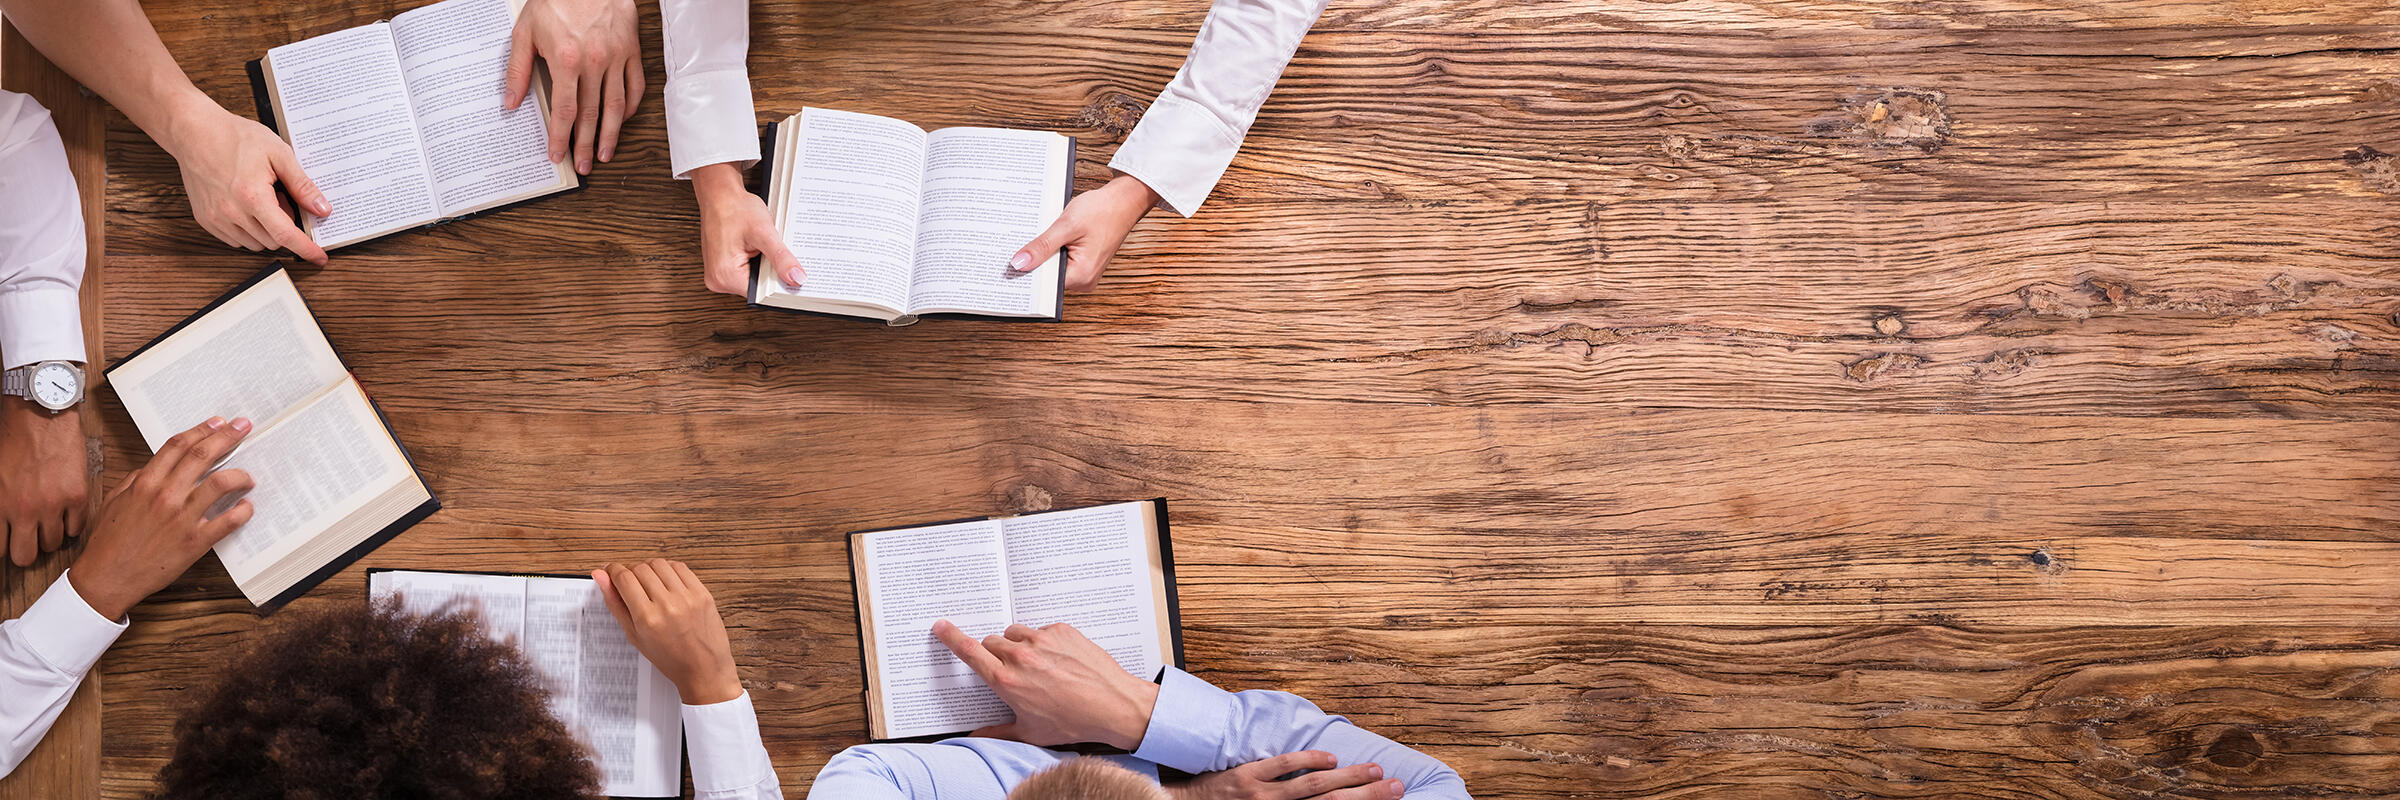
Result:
{"points": [[22, 409], [1133, 722], [719, 686], [1134, 187], [715, 183], [95, 593], [181, 119]]}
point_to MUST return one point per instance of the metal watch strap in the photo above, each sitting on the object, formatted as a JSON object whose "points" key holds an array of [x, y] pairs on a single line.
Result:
{"points": [[12, 382]]}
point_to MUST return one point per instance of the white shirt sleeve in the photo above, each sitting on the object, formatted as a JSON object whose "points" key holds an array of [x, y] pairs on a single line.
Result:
{"points": [[729, 761], [41, 240], [43, 657], [1186, 139], [709, 116]]}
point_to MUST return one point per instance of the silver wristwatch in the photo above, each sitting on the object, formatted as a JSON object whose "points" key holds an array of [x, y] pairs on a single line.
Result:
{"points": [[53, 385]]}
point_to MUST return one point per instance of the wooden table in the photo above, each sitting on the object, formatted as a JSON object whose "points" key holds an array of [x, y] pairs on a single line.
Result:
{"points": [[1721, 398]]}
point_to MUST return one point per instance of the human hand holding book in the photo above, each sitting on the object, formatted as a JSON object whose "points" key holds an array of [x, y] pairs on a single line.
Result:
{"points": [[1091, 228], [735, 227]]}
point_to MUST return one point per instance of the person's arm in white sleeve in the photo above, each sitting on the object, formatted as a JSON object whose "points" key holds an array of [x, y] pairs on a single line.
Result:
{"points": [[1185, 140], [1190, 134], [709, 116], [41, 240], [44, 655], [729, 762], [712, 139]]}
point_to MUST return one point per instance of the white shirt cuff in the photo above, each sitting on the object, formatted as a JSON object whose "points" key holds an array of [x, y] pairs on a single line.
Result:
{"points": [[727, 754], [710, 121], [63, 630], [1180, 150], [43, 324]]}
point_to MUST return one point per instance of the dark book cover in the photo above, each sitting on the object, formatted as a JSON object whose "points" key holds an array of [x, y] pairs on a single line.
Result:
{"points": [[408, 520]]}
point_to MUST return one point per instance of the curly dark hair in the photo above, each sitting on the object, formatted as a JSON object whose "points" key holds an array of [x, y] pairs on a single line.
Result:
{"points": [[374, 702]]}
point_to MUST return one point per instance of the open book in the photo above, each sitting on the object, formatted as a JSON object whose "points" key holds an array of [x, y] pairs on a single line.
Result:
{"points": [[611, 697], [1107, 570], [895, 223], [400, 122], [332, 483]]}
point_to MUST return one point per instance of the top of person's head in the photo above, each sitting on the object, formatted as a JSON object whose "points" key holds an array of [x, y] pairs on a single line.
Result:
{"points": [[368, 701], [1087, 779]]}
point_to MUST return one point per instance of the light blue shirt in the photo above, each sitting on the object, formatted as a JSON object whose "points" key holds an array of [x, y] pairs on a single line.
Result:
{"points": [[1195, 728]]}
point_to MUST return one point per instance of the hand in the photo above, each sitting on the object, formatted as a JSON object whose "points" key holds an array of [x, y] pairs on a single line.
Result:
{"points": [[593, 50], [1064, 688], [1258, 780], [1090, 229], [42, 484], [230, 168], [734, 227], [154, 526], [671, 618]]}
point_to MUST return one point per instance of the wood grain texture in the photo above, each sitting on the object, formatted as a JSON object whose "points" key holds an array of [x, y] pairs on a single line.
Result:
{"points": [[67, 762], [1706, 398]]}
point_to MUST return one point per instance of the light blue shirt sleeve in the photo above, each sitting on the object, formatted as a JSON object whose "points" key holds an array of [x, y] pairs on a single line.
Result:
{"points": [[1195, 728], [1199, 728], [953, 769]]}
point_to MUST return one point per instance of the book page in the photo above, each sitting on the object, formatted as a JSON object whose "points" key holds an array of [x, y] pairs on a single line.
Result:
{"points": [[498, 601], [312, 468], [615, 701], [455, 57], [987, 192], [345, 109], [911, 579], [1091, 568], [851, 212], [256, 356]]}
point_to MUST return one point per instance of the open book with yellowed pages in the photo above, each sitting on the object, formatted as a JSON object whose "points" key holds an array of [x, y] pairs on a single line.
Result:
{"points": [[1107, 570], [332, 482]]}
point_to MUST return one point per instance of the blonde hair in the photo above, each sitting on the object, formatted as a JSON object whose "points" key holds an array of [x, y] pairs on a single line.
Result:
{"points": [[1087, 779]]}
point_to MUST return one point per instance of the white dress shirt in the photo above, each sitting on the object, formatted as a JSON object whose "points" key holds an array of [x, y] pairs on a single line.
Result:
{"points": [[729, 762], [43, 657], [41, 240], [1180, 148]]}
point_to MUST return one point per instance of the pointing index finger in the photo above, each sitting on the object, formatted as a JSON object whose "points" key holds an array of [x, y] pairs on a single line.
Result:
{"points": [[967, 649]]}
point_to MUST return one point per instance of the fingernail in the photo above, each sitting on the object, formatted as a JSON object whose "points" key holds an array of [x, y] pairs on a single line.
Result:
{"points": [[322, 208], [1020, 261], [792, 277], [605, 153], [214, 423], [1374, 772], [241, 425]]}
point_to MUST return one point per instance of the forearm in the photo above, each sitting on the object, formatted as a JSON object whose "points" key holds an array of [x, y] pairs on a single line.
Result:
{"points": [[41, 240], [1191, 133], [43, 657], [1201, 728], [860, 773], [710, 119], [109, 46], [729, 762]]}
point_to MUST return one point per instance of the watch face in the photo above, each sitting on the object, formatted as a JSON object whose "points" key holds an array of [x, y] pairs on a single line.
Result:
{"points": [[55, 386]]}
